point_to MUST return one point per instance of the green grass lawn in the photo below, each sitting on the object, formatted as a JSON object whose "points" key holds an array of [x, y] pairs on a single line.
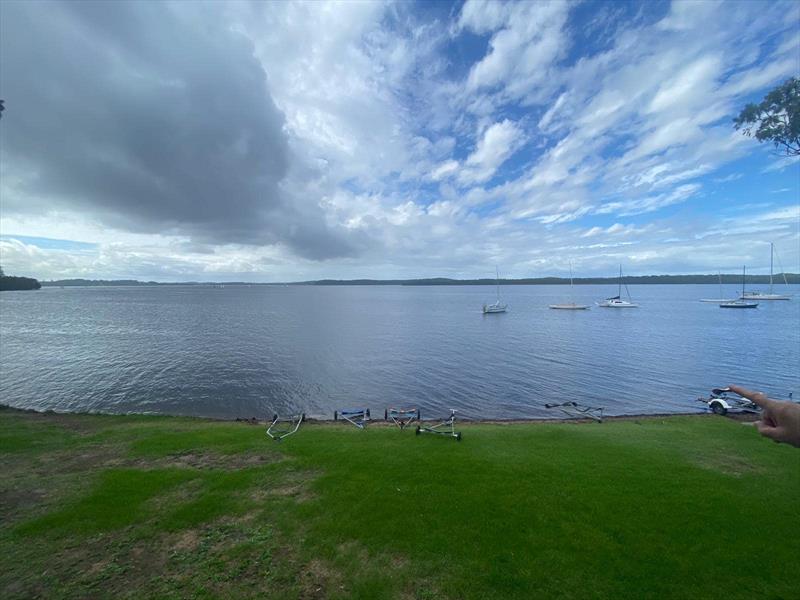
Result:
{"points": [[112, 506]]}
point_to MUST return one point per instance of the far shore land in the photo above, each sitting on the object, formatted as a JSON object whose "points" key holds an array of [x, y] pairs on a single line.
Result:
{"points": [[727, 278]]}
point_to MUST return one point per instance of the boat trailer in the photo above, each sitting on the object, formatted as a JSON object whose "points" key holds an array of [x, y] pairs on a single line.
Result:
{"points": [[722, 400], [443, 427], [357, 416], [579, 411], [401, 416], [282, 427]]}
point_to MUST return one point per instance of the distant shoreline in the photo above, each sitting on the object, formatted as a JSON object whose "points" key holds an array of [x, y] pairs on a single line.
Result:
{"points": [[727, 279]]}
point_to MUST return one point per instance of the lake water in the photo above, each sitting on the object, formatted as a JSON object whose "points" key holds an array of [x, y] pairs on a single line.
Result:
{"points": [[248, 351]]}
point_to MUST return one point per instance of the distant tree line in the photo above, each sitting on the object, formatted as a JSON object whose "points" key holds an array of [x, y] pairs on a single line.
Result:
{"points": [[9, 283], [734, 278]]}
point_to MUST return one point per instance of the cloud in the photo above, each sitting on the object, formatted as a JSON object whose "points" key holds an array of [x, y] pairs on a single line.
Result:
{"points": [[297, 140], [497, 144], [152, 118], [528, 39]]}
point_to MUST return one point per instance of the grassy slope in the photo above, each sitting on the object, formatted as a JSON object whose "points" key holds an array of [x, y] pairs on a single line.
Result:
{"points": [[144, 506]]}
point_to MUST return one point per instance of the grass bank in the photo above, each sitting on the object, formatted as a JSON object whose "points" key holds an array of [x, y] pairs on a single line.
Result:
{"points": [[135, 506]]}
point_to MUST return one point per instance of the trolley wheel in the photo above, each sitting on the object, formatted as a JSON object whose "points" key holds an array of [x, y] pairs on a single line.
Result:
{"points": [[416, 431], [718, 409], [419, 415], [303, 418], [274, 416], [368, 415], [386, 414], [458, 436], [335, 415]]}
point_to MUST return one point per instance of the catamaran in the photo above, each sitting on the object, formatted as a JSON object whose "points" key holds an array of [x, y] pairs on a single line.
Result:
{"points": [[571, 305], [617, 301], [497, 307], [720, 299], [741, 302], [759, 295]]}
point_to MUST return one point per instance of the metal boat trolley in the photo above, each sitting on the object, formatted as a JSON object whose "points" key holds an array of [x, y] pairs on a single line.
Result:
{"points": [[357, 416], [722, 400], [444, 427], [579, 411], [282, 427], [401, 416]]}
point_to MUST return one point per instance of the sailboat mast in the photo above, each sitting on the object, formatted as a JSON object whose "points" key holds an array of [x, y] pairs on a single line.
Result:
{"points": [[497, 273], [619, 286], [771, 252], [743, 277], [571, 299], [719, 275]]}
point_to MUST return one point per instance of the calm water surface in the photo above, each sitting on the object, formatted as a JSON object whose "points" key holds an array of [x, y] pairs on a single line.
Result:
{"points": [[249, 351]]}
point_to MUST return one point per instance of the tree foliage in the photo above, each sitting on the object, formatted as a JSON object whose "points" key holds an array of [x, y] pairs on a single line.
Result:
{"points": [[776, 119]]}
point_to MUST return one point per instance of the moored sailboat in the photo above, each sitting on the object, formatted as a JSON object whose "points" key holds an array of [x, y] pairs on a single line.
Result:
{"points": [[759, 295], [496, 307], [741, 302], [617, 301], [720, 299], [571, 305]]}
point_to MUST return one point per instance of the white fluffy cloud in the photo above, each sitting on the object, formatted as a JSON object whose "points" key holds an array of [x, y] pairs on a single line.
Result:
{"points": [[418, 145]]}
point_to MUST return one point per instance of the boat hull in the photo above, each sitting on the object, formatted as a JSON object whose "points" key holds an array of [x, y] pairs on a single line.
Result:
{"points": [[617, 305], [760, 297], [738, 304]]}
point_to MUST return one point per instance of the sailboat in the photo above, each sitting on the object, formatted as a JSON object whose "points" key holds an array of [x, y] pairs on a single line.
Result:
{"points": [[617, 301], [720, 299], [740, 303], [571, 305], [769, 296], [497, 307]]}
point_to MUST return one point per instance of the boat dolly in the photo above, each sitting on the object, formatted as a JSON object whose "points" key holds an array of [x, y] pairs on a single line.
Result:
{"points": [[282, 427], [401, 416], [722, 400], [357, 416], [444, 427], [579, 411]]}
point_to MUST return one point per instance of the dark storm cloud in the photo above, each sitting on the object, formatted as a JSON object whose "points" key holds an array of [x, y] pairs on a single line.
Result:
{"points": [[151, 117]]}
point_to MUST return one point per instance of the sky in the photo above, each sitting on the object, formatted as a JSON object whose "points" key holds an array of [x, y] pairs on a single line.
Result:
{"points": [[291, 141]]}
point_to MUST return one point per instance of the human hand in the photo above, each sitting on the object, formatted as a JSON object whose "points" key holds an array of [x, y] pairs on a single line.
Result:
{"points": [[780, 420]]}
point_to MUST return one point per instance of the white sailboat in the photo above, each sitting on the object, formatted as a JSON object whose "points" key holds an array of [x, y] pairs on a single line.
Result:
{"points": [[571, 305], [758, 295], [720, 299], [741, 302], [497, 307], [617, 301]]}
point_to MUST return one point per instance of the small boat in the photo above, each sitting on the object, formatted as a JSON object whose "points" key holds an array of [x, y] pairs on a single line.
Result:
{"points": [[617, 301], [740, 303], [571, 305], [496, 307], [720, 299], [759, 295]]}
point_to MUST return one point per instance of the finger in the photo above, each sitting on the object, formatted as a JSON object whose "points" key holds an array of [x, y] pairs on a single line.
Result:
{"points": [[759, 398], [774, 433]]}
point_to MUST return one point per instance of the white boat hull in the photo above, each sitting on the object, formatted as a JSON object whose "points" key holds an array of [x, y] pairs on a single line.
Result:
{"points": [[617, 304], [488, 310], [757, 296], [569, 306]]}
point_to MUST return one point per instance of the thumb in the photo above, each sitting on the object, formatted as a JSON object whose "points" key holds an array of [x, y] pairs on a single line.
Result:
{"points": [[774, 433]]}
